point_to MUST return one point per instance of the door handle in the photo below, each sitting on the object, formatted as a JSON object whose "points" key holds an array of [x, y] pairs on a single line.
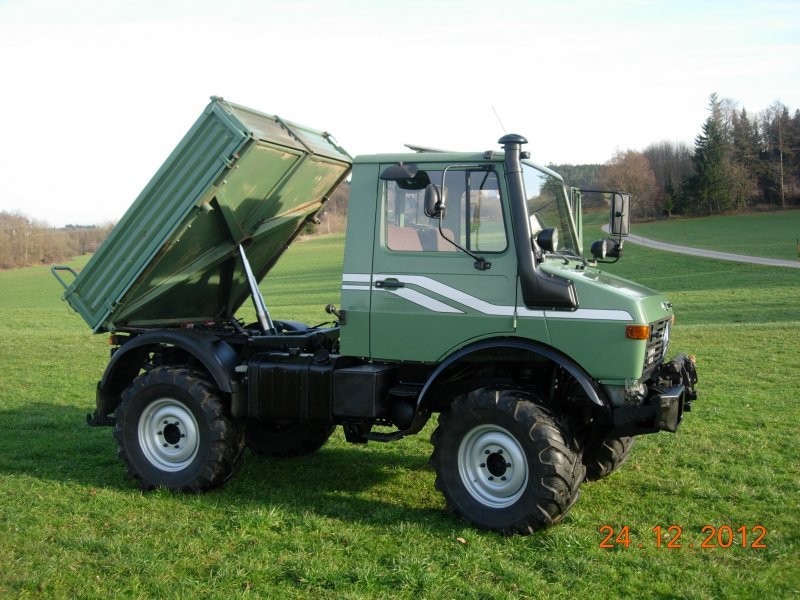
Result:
{"points": [[389, 284]]}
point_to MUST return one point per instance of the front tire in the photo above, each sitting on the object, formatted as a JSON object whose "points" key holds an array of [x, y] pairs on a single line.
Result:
{"points": [[504, 463], [173, 432], [605, 456]]}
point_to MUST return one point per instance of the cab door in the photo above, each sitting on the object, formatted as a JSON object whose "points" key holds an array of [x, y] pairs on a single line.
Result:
{"points": [[427, 295]]}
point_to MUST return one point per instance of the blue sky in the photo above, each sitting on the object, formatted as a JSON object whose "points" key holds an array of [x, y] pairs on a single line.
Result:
{"points": [[97, 93]]}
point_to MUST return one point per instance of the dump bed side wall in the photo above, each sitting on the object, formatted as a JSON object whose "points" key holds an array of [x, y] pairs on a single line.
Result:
{"points": [[191, 168], [237, 177]]}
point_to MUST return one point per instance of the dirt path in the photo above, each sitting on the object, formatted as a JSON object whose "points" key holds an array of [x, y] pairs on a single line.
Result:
{"points": [[756, 260]]}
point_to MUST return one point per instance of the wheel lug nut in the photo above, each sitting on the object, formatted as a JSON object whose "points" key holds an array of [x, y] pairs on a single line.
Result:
{"points": [[499, 450], [508, 465], [503, 478], [491, 478], [166, 422], [177, 446], [483, 465], [165, 444], [184, 435], [160, 433], [488, 452]]}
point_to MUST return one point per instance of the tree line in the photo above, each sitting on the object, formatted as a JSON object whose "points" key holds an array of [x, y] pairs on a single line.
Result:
{"points": [[24, 242], [738, 162]]}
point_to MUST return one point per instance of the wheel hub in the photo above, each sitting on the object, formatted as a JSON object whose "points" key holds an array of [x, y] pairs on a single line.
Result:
{"points": [[496, 464], [168, 434], [172, 433], [493, 466]]}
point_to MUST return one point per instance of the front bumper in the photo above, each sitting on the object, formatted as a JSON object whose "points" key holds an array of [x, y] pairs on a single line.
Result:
{"points": [[670, 393]]}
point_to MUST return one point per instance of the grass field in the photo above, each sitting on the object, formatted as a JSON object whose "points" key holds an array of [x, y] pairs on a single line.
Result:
{"points": [[770, 234], [365, 522]]}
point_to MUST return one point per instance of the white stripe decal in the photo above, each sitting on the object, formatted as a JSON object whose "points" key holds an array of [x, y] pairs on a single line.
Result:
{"points": [[357, 277], [452, 293], [528, 313], [487, 308], [423, 300], [594, 314]]}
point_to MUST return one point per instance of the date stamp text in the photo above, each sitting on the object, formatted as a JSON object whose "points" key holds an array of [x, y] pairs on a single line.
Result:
{"points": [[675, 537]]}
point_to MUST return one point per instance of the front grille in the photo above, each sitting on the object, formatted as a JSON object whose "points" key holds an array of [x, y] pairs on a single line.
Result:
{"points": [[657, 343]]}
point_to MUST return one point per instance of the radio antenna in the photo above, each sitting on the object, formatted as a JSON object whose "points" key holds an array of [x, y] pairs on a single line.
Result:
{"points": [[498, 119]]}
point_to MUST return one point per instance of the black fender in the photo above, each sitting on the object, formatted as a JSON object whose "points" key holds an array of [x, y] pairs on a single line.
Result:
{"points": [[216, 355], [595, 396]]}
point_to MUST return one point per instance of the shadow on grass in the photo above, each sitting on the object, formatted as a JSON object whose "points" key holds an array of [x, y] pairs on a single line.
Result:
{"points": [[348, 484], [359, 484], [50, 441]]}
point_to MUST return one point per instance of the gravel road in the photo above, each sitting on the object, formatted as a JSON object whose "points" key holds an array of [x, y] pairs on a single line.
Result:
{"points": [[756, 260]]}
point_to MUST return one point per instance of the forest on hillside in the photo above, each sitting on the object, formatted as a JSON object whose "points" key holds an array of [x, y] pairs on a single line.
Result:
{"points": [[739, 161]]}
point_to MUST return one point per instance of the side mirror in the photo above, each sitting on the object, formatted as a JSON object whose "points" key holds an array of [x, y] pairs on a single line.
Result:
{"points": [[434, 202], [620, 213], [407, 176]]}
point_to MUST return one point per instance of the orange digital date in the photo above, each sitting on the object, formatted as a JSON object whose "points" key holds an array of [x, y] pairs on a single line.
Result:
{"points": [[670, 537]]}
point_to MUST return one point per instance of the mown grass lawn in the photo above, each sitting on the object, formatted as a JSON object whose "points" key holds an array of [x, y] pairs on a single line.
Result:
{"points": [[769, 234], [365, 522]]}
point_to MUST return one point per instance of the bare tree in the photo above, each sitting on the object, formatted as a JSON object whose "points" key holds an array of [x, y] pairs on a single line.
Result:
{"points": [[672, 165], [774, 123], [25, 242], [630, 171]]}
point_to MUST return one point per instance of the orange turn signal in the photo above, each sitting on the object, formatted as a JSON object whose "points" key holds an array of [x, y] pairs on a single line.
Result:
{"points": [[637, 332]]}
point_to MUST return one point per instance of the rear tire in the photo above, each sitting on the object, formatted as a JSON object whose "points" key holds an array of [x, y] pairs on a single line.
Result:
{"points": [[173, 432], [504, 463], [605, 456], [284, 440]]}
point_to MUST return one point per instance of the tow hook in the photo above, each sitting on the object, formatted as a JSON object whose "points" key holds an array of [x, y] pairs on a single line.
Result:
{"points": [[681, 370], [97, 420]]}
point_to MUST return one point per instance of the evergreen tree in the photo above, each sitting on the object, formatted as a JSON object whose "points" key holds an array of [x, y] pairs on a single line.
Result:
{"points": [[710, 186], [793, 157], [745, 148]]}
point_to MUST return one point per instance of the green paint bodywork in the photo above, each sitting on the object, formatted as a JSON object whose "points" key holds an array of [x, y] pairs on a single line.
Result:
{"points": [[385, 326]]}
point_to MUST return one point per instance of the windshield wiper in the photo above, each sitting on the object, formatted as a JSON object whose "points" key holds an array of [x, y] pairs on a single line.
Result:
{"points": [[566, 255]]}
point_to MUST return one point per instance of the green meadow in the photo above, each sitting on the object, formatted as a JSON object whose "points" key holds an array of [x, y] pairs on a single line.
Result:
{"points": [[768, 234], [366, 522]]}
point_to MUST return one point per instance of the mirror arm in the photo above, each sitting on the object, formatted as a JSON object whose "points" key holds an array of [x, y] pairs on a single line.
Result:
{"points": [[617, 257], [480, 263]]}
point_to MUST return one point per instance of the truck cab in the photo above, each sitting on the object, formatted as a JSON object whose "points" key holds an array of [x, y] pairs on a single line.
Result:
{"points": [[502, 261]]}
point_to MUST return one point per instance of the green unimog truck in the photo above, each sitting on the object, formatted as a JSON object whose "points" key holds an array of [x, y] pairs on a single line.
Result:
{"points": [[465, 292]]}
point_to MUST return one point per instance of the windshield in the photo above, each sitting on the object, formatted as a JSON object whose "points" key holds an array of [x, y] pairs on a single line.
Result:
{"points": [[548, 207]]}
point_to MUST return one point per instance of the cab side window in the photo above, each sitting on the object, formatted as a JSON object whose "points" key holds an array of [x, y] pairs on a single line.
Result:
{"points": [[473, 217]]}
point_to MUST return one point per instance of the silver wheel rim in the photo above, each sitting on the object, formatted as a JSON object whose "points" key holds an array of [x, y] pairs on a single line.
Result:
{"points": [[493, 466], [168, 434]]}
